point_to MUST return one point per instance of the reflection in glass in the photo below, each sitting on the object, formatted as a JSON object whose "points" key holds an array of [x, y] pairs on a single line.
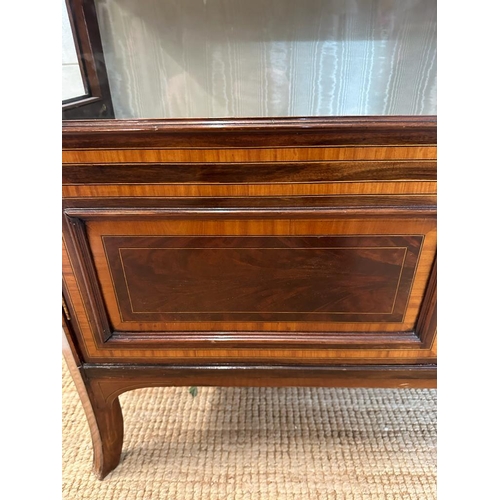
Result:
{"points": [[230, 58], [72, 82]]}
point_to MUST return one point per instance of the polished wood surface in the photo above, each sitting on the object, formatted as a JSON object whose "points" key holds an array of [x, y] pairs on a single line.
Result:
{"points": [[229, 155], [312, 207], [274, 132], [336, 279], [117, 379], [250, 173], [247, 253], [95, 231], [103, 413], [238, 193]]}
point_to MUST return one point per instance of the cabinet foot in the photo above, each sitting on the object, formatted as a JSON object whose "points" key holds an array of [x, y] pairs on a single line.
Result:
{"points": [[104, 415], [106, 428]]}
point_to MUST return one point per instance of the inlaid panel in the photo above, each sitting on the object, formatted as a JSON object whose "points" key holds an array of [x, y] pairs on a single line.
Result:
{"points": [[338, 287], [231, 278], [252, 242], [334, 279]]}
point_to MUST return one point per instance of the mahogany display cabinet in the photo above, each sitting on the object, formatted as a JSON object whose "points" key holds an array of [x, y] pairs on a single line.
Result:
{"points": [[206, 246]]}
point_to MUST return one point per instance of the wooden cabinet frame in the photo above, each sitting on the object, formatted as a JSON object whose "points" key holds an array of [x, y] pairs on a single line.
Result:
{"points": [[375, 170], [96, 103]]}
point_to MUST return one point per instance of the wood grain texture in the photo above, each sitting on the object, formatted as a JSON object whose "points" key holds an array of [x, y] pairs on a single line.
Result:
{"points": [[169, 279], [253, 173], [99, 353], [284, 226], [311, 132], [116, 379], [249, 178], [286, 183], [250, 190], [231, 155], [87, 278], [103, 412], [120, 344], [426, 327], [411, 206]]}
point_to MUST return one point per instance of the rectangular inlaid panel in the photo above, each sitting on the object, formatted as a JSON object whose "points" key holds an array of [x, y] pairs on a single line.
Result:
{"points": [[328, 279]]}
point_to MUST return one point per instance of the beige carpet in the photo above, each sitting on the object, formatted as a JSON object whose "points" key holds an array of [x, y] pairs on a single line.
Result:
{"points": [[260, 443]]}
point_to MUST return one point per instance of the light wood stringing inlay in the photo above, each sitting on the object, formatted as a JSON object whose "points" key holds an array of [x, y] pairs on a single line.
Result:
{"points": [[96, 229]]}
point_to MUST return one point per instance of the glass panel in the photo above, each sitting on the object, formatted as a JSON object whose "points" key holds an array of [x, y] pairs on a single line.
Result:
{"points": [[240, 58], [72, 81]]}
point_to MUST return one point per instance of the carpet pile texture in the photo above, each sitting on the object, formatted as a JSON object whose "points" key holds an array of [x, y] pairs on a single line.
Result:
{"points": [[259, 444]]}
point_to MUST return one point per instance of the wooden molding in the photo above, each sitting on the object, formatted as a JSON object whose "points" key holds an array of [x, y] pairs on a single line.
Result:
{"points": [[120, 378], [307, 132]]}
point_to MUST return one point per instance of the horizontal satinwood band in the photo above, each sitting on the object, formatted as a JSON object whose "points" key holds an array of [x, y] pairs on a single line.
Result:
{"points": [[250, 190], [198, 155]]}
